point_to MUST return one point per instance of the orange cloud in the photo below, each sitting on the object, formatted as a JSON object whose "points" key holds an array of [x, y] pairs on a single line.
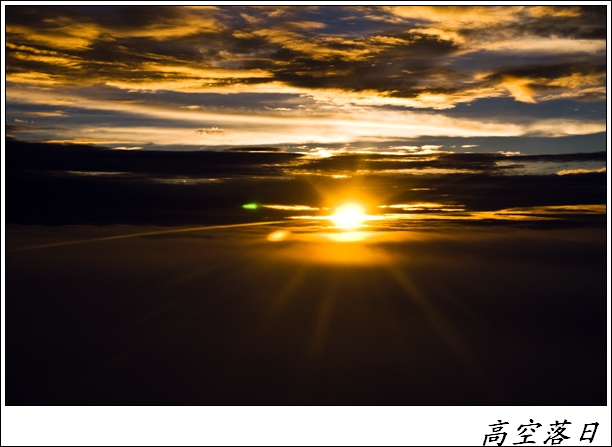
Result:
{"points": [[519, 88]]}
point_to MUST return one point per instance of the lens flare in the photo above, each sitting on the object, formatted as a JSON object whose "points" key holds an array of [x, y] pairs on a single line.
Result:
{"points": [[349, 216], [278, 236]]}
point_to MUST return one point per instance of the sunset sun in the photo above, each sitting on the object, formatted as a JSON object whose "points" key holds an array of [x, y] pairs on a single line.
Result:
{"points": [[349, 216]]}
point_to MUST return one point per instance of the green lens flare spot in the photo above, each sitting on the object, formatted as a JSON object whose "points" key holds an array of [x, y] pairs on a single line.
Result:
{"points": [[250, 206]]}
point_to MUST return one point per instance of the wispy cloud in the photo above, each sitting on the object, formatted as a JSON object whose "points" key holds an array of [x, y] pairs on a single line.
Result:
{"points": [[581, 171]]}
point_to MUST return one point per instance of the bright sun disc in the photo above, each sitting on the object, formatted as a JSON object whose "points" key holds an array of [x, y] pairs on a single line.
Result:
{"points": [[349, 216]]}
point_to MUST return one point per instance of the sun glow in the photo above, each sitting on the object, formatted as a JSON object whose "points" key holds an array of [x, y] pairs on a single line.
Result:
{"points": [[349, 216]]}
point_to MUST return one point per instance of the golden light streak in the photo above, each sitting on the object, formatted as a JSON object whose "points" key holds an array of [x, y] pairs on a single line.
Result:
{"points": [[290, 207], [581, 171], [147, 233]]}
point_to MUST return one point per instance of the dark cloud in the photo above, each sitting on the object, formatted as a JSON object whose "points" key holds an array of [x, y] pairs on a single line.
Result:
{"points": [[11, 128], [488, 163], [68, 157], [50, 17], [549, 71], [487, 193], [401, 68], [61, 184], [139, 17], [583, 156], [588, 23], [255, 149]]}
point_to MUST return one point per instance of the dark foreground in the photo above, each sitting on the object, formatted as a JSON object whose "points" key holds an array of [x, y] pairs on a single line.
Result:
{"points": [[497, 316]]}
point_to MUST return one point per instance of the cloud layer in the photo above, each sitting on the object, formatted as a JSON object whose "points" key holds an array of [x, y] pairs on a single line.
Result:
{"points": [[68, 184], [368, 72]]}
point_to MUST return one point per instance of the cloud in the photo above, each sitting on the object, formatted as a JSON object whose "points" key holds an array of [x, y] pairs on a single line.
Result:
{"points": [[552, 81], [33, 78], [211, 131], [141, 185], [364, 69], [431, 147], [326, 126], [519, 89], [581, 171], [46, 114], [490, 26], [80, 28], [306, 25]]}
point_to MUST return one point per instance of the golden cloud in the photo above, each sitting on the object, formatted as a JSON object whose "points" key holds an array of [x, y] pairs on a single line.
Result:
{"points": [[315, 48], [63, 32], [519, 88]]}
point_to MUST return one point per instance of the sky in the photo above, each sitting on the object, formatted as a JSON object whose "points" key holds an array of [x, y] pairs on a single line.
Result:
{"points": [[306, 205], [303, 77], [331, 102]]}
